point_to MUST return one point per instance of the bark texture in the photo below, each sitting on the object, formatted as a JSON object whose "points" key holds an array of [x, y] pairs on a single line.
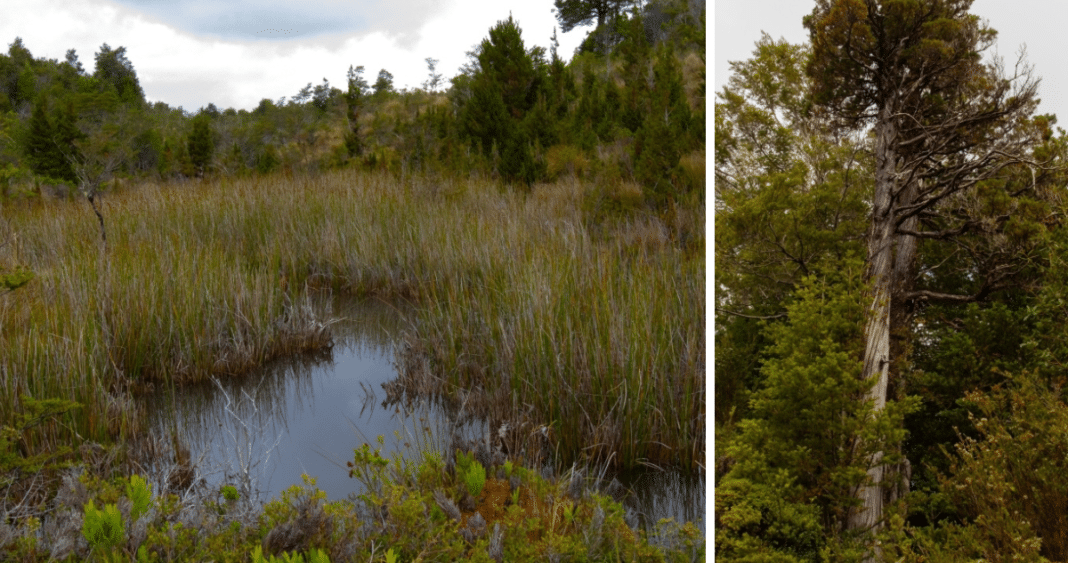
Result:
{"points": [[877, 331]]}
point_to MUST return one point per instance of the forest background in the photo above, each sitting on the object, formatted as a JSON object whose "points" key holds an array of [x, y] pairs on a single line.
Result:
{"points": [[890, 295], [65, 115]]}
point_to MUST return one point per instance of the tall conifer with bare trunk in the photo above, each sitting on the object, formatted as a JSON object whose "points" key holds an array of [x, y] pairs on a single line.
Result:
{"points": [[943, 119]]}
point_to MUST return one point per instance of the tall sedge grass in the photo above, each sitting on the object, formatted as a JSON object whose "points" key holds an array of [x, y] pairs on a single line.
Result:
{"points": [[601, 335], [603, 340]]}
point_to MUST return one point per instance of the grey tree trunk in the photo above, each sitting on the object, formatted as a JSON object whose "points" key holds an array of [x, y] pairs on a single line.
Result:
{"points": [[904, 281], [877, 331]]}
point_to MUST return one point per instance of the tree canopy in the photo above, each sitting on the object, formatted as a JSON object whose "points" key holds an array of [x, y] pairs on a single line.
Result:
{"points": [[116, 71], [577, 13], [892, 172]]}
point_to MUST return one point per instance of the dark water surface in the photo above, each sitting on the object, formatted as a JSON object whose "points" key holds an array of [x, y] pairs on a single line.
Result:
{"points": [[305, 414]]}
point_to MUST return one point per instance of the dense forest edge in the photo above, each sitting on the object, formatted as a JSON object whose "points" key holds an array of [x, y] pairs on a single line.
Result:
{"points": [[890, 345], [545, 217]]}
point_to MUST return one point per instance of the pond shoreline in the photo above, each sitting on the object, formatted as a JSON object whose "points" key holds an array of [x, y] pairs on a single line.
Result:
{"points": [[366, 336]]}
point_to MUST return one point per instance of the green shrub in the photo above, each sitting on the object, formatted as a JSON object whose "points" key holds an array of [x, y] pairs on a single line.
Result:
{"points": [[475, 479], [267, 160], [140, 494], [103, 529], [1006, 484], [229, 492], [612, 201], [313, 556], [15, 279], [470, 472], [566, 160], [16, 461]]}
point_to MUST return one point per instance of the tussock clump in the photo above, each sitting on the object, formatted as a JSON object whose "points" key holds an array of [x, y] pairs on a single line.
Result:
{"points": [[566, 160], [475, 529], [447, 505], [495, 549], [693, 73], [576, 486]]}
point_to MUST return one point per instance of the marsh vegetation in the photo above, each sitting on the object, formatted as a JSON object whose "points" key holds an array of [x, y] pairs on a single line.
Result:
{"points": [[540, 222], [524, 309]]}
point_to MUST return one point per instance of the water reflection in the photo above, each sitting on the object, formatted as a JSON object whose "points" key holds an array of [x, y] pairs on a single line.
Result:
{"points": [[306, 413], [301, 414]]}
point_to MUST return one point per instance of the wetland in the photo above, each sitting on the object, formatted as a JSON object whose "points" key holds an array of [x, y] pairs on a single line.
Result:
{"points": [[202, 323]]}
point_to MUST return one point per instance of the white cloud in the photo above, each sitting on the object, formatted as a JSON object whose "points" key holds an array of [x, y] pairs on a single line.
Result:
{"points": [[186, 69], [739, 23]]}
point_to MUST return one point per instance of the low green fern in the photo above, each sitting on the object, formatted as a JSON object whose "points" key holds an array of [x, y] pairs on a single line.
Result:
{"points": [[471, 473], [140, 494], [313, 556], [103, 529]]}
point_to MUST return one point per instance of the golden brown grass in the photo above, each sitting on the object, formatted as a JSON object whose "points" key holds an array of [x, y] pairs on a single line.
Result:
{"points": [[600, 336]]}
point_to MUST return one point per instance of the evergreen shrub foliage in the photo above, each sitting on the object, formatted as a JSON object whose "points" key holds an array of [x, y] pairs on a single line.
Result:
{"points": [[807, 443], [103, 528]]}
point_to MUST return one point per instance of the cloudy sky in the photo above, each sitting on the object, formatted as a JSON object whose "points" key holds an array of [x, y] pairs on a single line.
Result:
{"points": [[1038, 24], [236, 52]]}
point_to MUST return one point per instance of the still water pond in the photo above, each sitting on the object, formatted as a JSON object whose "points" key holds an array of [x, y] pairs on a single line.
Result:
{"points": [[305, 414]]}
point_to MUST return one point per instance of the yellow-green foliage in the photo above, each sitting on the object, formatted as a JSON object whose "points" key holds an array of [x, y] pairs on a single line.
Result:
{"points": [[566, 160], [15, 464], [1006, 482], [693, 171], [401, 520], [471, 473], [313, 556], [612, 201], [140, 494], [693, 72], [13, 280], [103, 529]]}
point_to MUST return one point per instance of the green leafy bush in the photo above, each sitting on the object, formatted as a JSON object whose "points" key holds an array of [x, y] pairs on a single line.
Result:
{"points": [[15, 279], [1007, 483], [15, 462], [229, 492], [313, 556], [103, 529], [789, 489], [475, 479], [140, 494], [471, 473], [566, 160]]}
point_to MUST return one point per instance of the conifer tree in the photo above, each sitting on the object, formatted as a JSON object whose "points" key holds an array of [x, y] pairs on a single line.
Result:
{"points": [[41, 150], [302, 96], [943, 122], [636, 55], [383, 84], [434, 78], [72, 60], [147, 149], [354, 99], [798, 458], [660, 141], [561, 83], [504, 88], [15, 75], [321, 96], [574, 13], [789, 200], [201, 144], [50, 145], [116, 71], [590, 115]]}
